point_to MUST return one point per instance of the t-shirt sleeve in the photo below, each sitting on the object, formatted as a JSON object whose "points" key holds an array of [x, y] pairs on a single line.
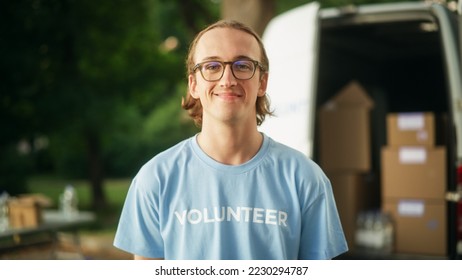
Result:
{"points": [[139, 231], [322, 235]]}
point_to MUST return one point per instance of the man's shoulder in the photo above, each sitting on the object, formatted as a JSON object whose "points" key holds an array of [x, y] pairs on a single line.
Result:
{"points": [[176, 150], [292, 157], [285, 151]]}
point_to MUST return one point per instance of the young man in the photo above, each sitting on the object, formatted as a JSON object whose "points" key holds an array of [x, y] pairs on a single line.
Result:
{"points": [[230, 192]]}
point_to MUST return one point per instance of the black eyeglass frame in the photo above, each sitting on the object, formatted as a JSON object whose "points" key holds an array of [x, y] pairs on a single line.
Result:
{"points": [[224, 63]]}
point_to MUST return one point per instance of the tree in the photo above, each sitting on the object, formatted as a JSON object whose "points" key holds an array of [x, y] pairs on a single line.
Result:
{"points": [[254, 13], [85, 75], [257, 13]]}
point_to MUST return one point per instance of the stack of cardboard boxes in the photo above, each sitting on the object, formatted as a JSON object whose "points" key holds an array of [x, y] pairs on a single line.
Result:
{"points": [[345, 156], [414, 183]]}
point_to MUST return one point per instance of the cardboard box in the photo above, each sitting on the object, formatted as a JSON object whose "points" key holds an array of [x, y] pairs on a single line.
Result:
{"points": [[419, 225], [353, 194], [26, 210], [344, 131], [414, 172], [411, 129]]}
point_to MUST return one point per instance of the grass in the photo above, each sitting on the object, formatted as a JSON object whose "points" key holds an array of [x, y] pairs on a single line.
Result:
{"points": [[114, 189]]}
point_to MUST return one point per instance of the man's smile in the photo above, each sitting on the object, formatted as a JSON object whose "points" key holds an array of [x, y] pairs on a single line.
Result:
{"points": [[228, 95]]}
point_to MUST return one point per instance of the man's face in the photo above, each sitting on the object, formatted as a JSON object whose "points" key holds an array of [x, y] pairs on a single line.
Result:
{"points": [[229, 99]]}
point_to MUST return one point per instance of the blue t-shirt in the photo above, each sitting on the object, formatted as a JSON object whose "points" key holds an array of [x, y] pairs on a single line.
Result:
{"points": [[184, 205]]}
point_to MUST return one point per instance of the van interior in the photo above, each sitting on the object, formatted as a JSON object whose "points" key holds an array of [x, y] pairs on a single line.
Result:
{"points": [[401, 65]]}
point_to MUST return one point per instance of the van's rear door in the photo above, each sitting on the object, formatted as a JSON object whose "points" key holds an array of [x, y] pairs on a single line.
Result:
{"points": [[449, 37], [452, 58], [291, 44]]}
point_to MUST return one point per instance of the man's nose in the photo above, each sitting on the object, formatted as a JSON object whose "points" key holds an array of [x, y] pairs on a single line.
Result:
{"points": [[228, 77]]}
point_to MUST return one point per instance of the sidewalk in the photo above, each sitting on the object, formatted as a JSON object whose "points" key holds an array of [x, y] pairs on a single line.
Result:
{"points": [[100, 248]]}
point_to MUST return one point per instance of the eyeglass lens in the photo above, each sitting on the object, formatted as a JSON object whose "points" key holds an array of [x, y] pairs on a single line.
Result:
{"points": [[241, 69]]}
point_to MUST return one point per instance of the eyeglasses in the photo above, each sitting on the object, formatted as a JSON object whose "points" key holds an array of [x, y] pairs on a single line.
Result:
{"points": [[242, 69]]}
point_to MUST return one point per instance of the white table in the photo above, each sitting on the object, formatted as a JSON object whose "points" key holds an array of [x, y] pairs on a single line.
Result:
{"points": [[54, 222]]}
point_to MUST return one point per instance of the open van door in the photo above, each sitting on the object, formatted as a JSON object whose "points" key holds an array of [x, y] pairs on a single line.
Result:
{"points": [[291, 43]]}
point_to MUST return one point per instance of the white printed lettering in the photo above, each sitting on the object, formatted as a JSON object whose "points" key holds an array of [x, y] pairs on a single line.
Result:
{"points": [[206, 217], [283, 218], [236, 214], [270, 217], [258, 215], [181, 218], [219, 218], [198, 214], [247, 211], [219, 214]]}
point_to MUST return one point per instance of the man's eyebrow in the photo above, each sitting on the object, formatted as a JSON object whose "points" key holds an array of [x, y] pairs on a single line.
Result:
{"points": [[208, 58]]}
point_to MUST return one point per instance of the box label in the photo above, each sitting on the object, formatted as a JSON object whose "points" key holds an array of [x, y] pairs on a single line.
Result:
{"points": [[412, 155], [411, 208], [414, 121]]}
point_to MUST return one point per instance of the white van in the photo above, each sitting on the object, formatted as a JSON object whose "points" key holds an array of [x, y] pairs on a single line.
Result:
{"points": [[407, 58]]}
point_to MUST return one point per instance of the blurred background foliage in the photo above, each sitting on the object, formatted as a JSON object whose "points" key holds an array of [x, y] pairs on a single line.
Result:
{"points": [[92, 89]]}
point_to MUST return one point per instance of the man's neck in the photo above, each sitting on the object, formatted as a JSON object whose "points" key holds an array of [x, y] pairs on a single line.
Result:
{"points": [[232, 145]]}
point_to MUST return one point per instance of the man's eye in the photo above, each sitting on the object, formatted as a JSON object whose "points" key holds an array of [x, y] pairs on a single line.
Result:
{"points": [[244, 66], [212, 66]]}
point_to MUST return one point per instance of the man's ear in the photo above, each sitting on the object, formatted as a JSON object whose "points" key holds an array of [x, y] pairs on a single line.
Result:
{"points": [[263, 85], [192, 83]]}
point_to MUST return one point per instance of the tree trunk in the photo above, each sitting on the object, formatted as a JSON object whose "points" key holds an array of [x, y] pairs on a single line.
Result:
{"points": [[95, 166], [254, 13]]}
